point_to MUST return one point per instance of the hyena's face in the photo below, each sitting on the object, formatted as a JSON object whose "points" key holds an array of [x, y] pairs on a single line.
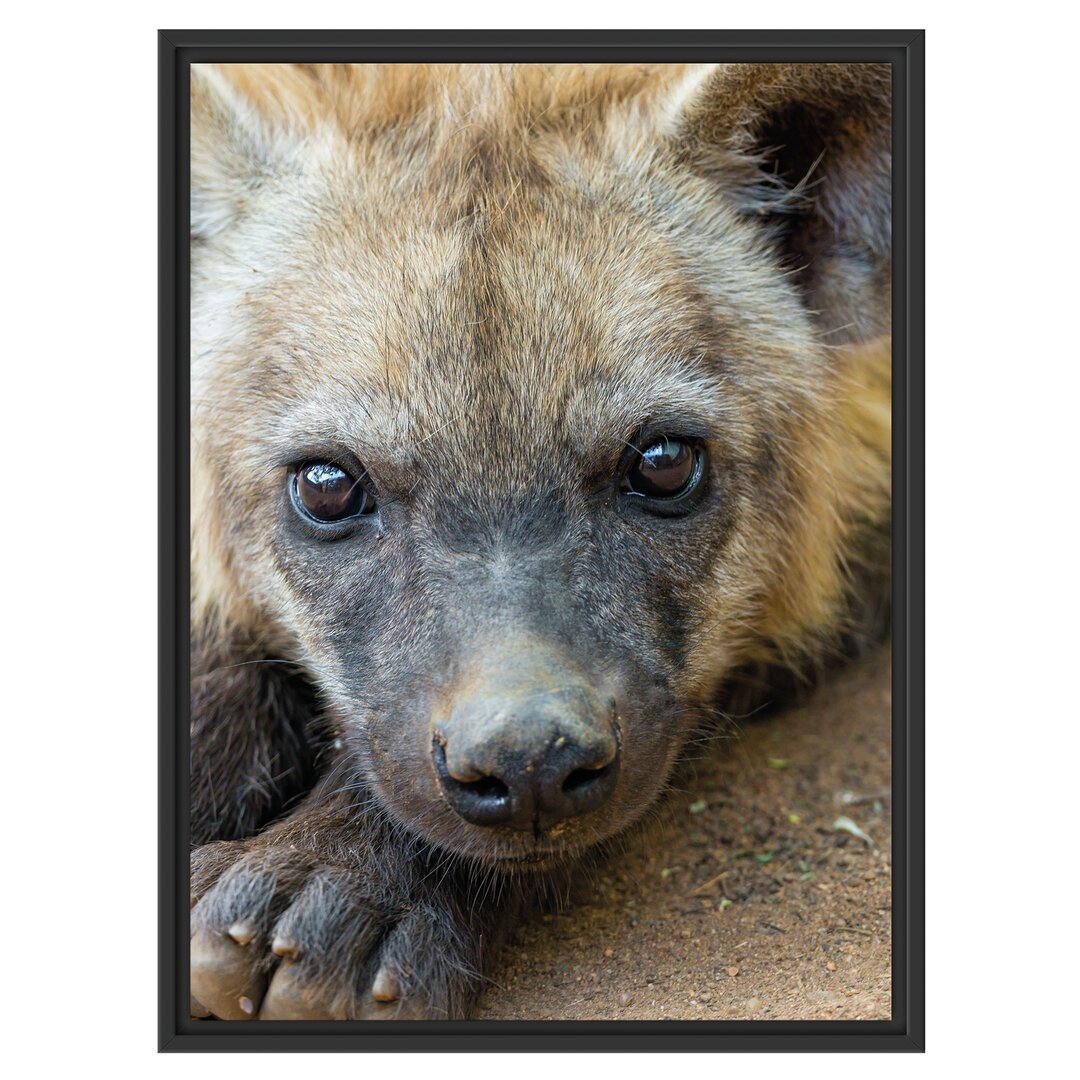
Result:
{"points": [[508, 450]]}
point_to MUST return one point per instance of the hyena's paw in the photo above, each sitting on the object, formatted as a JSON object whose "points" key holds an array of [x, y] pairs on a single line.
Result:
{"points": [[277, 934]]}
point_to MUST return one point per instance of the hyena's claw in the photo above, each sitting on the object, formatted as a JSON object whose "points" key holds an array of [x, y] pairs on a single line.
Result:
{"points": [[281, 937], [285, 947], [385, 987], [225, 977], [242, 931]]}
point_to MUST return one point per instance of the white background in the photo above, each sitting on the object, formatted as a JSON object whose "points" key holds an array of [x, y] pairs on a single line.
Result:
{"points": [[78, 589]]}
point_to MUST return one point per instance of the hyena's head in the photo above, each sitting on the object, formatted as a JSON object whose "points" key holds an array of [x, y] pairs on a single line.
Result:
{"points": [[520, 410]]}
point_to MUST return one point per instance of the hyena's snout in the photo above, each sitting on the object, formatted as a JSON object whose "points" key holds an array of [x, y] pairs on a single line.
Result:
{"points": [[527, 742]]}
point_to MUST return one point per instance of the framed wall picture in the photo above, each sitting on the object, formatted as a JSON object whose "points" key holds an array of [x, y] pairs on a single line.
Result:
{"points": [[541, 568]]}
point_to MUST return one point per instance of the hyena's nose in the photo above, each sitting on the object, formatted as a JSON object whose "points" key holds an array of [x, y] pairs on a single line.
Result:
{"points": [[527, 760]]}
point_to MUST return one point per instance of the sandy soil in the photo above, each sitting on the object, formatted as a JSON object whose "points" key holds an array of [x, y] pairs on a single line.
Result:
{"points": [[752, 898]]}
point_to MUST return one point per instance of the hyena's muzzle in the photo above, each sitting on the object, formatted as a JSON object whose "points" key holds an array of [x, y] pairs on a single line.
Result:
{"points": [[528, 739]]}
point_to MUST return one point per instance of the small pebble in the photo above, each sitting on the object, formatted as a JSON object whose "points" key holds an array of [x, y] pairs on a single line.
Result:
{"points": [[831, 965], [753, 1005], [247, 1005], [626, 999], [733, 970], [609, 953]]}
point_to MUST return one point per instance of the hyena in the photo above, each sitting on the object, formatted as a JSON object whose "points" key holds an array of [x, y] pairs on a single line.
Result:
{"points": [[540, 414]]}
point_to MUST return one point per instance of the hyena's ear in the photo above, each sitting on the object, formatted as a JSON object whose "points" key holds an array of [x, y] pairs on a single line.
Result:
{"points": [[244, 134], [806, 149], [227, 142]]}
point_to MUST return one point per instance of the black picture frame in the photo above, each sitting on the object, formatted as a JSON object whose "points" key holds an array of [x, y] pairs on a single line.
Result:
{"points": [[904, 49]]}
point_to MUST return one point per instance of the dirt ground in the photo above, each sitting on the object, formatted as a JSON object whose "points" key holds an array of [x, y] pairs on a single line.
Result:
{"points": [[764, 893]]}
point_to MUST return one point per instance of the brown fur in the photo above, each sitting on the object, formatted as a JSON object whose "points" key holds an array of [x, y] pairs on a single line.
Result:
{"points": [[481, 282]]}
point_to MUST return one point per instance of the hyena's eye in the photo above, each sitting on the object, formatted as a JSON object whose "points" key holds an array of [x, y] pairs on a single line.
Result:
{"points": [[325, 492], [666, 469]]}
